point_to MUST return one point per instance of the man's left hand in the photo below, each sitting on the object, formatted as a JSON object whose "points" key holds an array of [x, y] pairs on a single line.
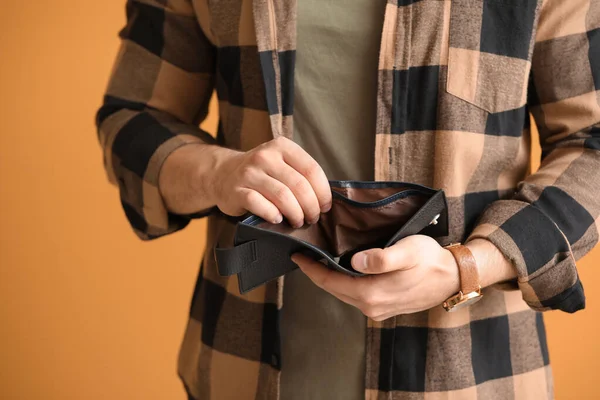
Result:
{"points": [[414, 274]]}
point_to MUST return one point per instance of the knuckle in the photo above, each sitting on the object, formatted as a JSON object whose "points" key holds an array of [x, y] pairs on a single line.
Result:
{"points": [[248, 198], [279, 141], [312, 169], [381, 261], [246, 172], [282, 193], [260, 157], [388, 261], [301, 186]]}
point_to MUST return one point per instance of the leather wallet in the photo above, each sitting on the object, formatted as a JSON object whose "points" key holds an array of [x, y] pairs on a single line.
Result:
{"points": [[363, 215]]}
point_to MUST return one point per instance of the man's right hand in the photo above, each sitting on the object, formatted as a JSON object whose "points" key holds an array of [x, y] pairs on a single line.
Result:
{"points": [[274, 180]]}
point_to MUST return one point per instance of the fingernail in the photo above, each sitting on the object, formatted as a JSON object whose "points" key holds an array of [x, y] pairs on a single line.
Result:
{"points": [[314, 221], [278, 219], [360, 262], [326, 208]]}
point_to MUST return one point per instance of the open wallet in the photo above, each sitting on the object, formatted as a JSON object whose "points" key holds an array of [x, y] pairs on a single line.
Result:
{"points": [[363, 215]]}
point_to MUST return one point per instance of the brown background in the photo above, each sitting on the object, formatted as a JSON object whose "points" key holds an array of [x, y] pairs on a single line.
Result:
{"points": [[87, 311]]}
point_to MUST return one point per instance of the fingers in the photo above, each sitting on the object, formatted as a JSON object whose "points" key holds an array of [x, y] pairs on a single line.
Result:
{"points": [[403, 255], [322, 276], [301, 189], [401, 280], [325, 278], [301, 161], [362, 293], [257, 204], [287, 177], [280, 196], [362, 289]]}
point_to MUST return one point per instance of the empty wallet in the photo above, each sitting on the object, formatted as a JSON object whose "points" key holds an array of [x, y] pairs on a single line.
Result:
{"points": [[363, 215]]}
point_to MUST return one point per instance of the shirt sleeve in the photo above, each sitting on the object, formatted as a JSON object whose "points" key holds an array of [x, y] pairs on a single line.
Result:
{"points": [[553, 218], [158, 93]]}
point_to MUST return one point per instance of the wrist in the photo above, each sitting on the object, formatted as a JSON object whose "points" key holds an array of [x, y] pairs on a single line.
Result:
{"points": [[186, 178], [174, 176], [453, 274], [492, 265], [215, 171]]}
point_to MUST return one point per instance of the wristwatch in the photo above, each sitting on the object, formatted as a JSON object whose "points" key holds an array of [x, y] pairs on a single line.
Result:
{"points": [[470, 289]]}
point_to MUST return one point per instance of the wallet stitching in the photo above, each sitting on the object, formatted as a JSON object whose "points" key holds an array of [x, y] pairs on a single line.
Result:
{"points": [[254, 252], [255, 258]]}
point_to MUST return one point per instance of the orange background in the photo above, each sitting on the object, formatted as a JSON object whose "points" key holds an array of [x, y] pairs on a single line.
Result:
{"points": [[87, 311]]}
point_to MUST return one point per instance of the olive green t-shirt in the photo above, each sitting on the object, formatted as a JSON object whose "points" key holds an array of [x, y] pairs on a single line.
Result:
{"points": [[323, 339]]}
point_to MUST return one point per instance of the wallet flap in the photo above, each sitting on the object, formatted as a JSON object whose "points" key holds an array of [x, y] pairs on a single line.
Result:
{"points": [[431, 217]]}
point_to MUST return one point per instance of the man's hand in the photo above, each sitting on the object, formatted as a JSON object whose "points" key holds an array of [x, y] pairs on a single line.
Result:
{"points": [[275, 179], [415, 274]]}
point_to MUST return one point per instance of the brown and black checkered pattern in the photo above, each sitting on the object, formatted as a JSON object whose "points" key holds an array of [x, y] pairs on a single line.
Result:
{"points": [[458, 81]]}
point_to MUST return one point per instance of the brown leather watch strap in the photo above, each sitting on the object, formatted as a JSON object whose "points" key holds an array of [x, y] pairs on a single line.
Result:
{"points": [[467, 267]]}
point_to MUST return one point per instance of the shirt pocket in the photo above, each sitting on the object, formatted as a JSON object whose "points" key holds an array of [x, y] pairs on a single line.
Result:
{"points": [[489, 54]]}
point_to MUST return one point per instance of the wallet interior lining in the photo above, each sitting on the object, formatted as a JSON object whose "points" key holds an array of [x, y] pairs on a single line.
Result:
{"points": [[358, 217]]}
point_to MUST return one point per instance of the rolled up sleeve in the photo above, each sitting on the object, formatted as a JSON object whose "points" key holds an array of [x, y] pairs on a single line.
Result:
{"points": [[553, 219], [158, 93]]}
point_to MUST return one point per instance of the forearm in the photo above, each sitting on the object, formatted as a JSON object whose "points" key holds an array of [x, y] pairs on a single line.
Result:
{"points": [[187, 177], [493, 266]]}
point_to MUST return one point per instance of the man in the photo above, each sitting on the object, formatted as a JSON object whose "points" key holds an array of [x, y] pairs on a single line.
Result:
{"points": [[437, 93]]}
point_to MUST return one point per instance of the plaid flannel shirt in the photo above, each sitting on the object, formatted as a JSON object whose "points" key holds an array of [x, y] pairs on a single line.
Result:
{"points": [[458, 81]]}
